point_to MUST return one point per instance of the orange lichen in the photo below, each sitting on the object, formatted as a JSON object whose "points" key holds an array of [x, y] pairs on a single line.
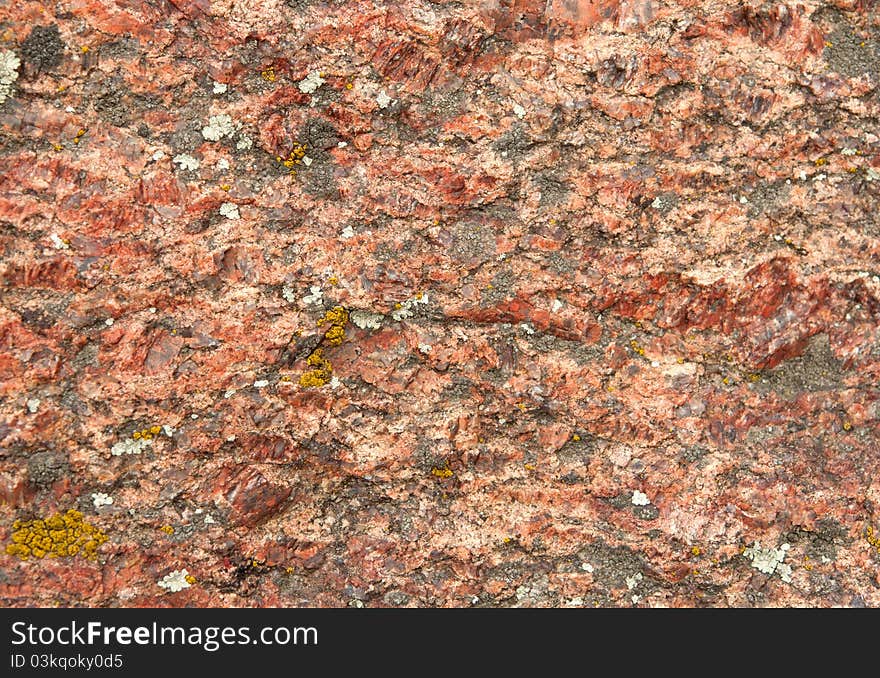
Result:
{"points": [[61, 535]]}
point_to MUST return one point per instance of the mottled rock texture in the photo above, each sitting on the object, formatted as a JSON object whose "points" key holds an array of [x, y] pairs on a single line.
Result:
{"points": [[614, 266]]}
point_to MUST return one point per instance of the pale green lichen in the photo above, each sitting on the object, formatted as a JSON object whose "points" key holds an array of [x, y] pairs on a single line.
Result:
{"points": [[230, 210], [769, 561], [177, 580], [186, 162], [218, 126], [9, 63], [311, 82], [406, 309], [366, 320]]}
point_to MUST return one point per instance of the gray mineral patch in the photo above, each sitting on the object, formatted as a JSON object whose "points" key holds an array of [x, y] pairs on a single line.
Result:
{"points": [[767, 198], [44, 468], [318, 135], [851, 54], [514, 143], [815, 370], [649, 512], [554, 191], [43, 48], [612, 565], [318, 180], [472, 243]]}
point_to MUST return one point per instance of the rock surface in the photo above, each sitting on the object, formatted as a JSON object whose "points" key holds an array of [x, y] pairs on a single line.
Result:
{"points": [[612, 276]]}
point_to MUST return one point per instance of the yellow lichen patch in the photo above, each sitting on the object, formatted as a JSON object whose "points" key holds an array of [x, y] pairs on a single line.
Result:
{"points": [[634, 345], [61, 535], [294, 158], [695, 551], [147, 433], [321, 372], [268, 74], [872, 538], [337, 316], [335, 335], [167, 529], [442, 472], [190, 579]]}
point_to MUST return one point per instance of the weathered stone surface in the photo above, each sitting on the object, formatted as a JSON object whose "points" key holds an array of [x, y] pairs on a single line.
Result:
{"points": [[614, 276]]}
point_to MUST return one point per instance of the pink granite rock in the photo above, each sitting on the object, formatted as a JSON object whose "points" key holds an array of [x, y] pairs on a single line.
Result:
{"points": [[611, 271]]}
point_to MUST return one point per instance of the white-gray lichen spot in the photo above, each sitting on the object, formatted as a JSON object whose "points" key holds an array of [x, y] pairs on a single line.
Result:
{"points": [[289, 294], [640, 498], [218, 126], [175, 581], [311, 82], [229, 210], [366, 320], [315, 296], [100, 499], [186, 162], [9, 63], [244, 142], [406, 308], [769, 561], [383, 100], [130, 446]]}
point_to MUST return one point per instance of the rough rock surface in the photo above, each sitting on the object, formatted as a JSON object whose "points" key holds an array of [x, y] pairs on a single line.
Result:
{"points": [[612, 275]]}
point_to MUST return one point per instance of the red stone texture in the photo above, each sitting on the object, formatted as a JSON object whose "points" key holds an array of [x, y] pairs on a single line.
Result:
{"points": [[645, 233]]}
